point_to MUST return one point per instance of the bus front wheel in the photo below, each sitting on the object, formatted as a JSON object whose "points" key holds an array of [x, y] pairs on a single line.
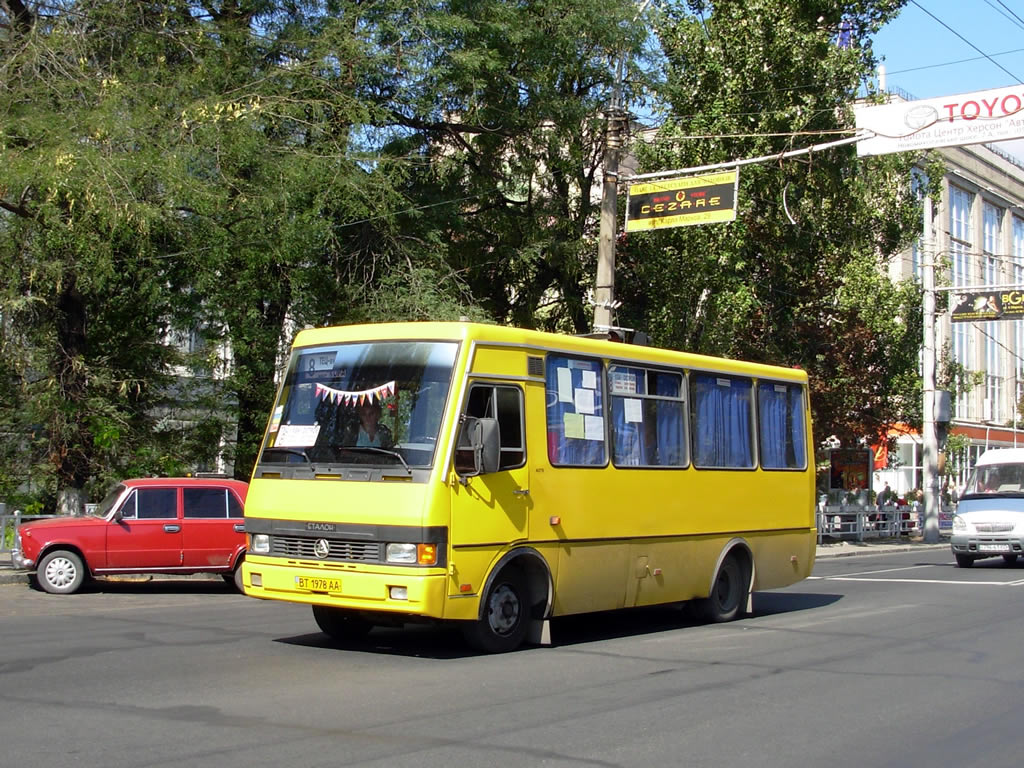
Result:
{"points": [[728, 592], [339, 624], [502, 626]]}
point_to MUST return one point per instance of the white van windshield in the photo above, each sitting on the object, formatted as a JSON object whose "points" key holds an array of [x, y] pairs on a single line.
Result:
{"points": [[996, 479]]}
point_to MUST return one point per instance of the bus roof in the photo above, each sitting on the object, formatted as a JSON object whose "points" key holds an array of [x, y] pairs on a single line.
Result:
{"points": [[540, 340]]}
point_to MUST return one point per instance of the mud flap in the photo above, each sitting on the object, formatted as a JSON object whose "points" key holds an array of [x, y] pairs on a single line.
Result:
{"points": [[539, 632]]}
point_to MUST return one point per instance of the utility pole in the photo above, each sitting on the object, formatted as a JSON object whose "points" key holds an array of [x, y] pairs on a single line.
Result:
{"points": [[604, 288], [930, 468]]}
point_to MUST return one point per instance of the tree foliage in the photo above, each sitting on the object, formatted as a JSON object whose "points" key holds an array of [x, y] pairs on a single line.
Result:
{"points": [[184, 184], [798, 278]]}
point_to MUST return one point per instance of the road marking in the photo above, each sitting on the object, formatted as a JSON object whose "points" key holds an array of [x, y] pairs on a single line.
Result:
{"points": [[918, 581], [892, 570]]}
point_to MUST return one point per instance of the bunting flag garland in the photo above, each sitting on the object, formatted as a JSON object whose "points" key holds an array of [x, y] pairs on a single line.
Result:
{"points": [[346, 397]]}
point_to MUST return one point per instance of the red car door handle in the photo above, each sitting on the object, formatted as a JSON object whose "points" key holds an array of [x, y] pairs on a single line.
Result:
{"points": [[172, 528], [240, 527]]}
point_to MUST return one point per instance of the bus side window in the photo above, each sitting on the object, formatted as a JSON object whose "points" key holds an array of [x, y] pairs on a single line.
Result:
{"points": [[781, 435], [575, 412], [723, 434], [505, 404], [647, 409]]}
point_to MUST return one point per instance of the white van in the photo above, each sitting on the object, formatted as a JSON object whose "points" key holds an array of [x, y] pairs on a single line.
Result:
{"points": [[989, 519]]}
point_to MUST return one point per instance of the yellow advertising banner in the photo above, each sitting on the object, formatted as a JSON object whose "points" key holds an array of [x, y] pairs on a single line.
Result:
{"points": [[709, 198]]}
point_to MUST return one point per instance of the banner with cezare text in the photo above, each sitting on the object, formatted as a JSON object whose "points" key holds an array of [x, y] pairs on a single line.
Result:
{"points": [[709, 198]]}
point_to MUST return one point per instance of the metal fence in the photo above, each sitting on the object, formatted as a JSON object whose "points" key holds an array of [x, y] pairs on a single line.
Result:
{"points": [[860, 522], [9, 523]]}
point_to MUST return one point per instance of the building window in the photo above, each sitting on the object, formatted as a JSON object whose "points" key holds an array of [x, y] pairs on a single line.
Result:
{"points": [[960, 246], [1018, 325]]}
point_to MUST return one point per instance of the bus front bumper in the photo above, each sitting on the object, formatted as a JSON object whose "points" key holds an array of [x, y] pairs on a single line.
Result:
{"points": [[391, 591]]}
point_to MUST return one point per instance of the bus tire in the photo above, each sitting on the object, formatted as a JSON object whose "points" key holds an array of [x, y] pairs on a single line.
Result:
{"points": [[339, 624], [728, 592], [505, 617]]}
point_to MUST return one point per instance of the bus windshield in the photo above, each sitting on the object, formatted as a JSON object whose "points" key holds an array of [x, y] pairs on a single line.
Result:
{"points": [[377, 403]]}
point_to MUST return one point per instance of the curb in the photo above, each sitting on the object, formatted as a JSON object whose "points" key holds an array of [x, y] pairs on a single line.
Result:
{"points": [[11, 575], [854, 548]]}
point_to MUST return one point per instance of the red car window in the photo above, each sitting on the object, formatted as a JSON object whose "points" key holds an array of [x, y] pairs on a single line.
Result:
{"points": [[206, 502], [157, 503]]}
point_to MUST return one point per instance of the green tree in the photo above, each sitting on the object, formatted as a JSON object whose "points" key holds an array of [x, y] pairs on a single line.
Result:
{"points": [[506, 107], [798, 278], [88, 302]]}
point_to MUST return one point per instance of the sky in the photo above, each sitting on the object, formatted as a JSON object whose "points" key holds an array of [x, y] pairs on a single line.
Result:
{"points": [[947, 47]]}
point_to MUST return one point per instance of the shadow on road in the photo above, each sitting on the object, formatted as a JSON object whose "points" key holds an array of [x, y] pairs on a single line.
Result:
{"points": [[439, 641], [155, 586]]}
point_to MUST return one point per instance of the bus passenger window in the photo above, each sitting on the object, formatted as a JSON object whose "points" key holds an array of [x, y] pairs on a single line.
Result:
{"points": [[506, 405], [781, 435], [647, 409], [723, 433], [575, 412]]}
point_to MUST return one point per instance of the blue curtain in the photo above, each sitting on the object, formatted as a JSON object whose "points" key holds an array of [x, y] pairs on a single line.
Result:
{"points": [[722, 430], [671, 442], [796, 427], [781, 421], [772, 405], [629, 447]]}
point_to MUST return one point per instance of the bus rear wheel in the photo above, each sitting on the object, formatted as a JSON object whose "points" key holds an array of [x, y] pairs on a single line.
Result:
{"points": [[339, 624], [728, 592], [502, 626]]}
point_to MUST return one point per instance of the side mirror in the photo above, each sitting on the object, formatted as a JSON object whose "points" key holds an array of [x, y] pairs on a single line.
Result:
{"points": [[478, 447], [117, 517]]}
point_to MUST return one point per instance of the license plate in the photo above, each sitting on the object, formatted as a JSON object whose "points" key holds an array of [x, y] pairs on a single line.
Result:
{"points": [[317, 584], [993, 547]]}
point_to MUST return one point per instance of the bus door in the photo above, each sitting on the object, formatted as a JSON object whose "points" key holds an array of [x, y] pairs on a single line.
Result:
{"points": [[491, 510]]}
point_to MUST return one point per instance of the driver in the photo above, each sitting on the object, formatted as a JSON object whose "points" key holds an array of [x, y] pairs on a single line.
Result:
{"points": [[369, 432]]}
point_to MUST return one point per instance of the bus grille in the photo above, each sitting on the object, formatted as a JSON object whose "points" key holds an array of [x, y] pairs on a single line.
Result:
{"points": [[296, 546]]}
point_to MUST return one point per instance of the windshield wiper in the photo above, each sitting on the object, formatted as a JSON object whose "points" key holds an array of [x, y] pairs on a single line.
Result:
{"points": [[293, 451], [374, 449]]}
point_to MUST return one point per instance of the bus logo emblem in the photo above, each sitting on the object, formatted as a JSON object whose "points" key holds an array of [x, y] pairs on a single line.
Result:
{"points": [[321, 549]]}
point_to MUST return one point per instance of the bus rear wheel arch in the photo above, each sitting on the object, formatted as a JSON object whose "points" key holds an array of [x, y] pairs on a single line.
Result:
{"points": [[730, 589]]}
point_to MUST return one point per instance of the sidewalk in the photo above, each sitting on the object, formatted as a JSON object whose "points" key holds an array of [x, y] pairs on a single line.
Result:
{"points": [[833, 548], [839, 548]]}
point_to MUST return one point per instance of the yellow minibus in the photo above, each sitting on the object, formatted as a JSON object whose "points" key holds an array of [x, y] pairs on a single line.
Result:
{"points": [[499, 477]]}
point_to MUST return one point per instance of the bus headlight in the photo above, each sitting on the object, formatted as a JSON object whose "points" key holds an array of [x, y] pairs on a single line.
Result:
{"points": [[411, 554], [959, 524], [401, 553], [259, 544]]}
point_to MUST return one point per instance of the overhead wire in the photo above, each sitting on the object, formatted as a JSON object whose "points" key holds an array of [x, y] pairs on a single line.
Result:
{"points": [[944, 24]]}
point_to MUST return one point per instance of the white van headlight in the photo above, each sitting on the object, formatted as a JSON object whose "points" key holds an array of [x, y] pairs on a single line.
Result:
{"points": [[959, 524]]}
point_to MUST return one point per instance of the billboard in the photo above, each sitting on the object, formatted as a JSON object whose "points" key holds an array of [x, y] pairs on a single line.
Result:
{"points": [[850, 469], [981, 306], [948, 121], [709, 198]]}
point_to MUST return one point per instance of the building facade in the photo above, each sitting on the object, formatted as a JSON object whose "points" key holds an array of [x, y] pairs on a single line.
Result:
{"points": [[976, 245]]}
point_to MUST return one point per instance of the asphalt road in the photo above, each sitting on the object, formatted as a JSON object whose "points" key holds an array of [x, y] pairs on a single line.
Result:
{"points": [[895, 659]]}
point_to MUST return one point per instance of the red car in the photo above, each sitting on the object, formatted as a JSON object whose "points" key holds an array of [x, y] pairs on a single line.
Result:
{"points": [[151, 525]]}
